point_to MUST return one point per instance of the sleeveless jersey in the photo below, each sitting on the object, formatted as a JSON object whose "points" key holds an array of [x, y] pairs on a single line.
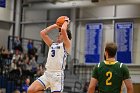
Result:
{"points": [[57, 55], [110, 76]]}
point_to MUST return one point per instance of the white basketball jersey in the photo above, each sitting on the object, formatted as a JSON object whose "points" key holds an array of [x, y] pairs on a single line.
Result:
{"points": [[57, 55]]}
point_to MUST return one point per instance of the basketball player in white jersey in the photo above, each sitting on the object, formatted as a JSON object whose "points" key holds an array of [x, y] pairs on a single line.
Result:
{"points": [[53, 77]]}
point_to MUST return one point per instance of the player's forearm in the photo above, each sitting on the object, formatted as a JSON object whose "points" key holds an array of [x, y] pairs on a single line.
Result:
{"points": [[44, 35], [64, 29], [130, 90], [49, 28], [129, 85], [65, 26], [91, 90]]}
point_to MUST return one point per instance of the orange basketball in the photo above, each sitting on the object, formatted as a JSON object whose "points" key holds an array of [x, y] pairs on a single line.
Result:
{"points": [[60, 20]]}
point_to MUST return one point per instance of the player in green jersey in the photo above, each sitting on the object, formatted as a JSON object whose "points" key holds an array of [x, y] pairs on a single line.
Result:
{"points": [[110, 74]]}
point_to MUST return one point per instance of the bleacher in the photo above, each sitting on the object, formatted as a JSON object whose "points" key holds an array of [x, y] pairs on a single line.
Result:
{"points": [[72, 84], [12, 79]]}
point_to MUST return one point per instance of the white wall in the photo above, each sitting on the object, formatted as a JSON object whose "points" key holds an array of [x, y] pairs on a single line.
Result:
{"points": [[104, 12], [33, 30], [4, 32], [97, 12], [127, 10], [55, 13], [80, 48], [108, 28], [136, 42], [5, 15], [34, 15]]}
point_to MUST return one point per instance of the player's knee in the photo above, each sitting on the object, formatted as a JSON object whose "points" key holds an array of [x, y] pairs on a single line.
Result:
{"points": [[31, 90]]}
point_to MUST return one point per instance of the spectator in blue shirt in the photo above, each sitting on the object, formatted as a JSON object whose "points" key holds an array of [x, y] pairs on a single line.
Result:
{"points": [[26, 85]]}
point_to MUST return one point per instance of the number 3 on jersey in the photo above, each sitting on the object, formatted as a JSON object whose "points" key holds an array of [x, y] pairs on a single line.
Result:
{"points": [[53, 53], [109, 75]]}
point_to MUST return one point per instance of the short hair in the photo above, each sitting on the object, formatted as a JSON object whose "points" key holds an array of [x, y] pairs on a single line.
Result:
{"points": [[68, 33], [111, 49]]}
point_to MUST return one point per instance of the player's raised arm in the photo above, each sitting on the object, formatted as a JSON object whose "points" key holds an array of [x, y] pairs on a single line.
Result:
{"points": [[44, 34], [64, 32]]}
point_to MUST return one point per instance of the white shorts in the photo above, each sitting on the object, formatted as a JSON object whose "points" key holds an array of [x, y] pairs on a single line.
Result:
{"points": [[54, 80]]}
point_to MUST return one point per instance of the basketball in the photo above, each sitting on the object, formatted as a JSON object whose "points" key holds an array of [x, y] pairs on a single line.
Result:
{"points": [[60, 20]]}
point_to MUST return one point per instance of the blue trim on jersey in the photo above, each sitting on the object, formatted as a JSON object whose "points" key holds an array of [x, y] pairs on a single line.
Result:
{"points": [[65, 55], [63, 62], [56, 91], [62, 80], [41, 82], [65, 49]]}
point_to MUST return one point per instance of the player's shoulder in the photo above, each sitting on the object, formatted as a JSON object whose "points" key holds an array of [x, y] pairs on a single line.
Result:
{"points": [[100, 64], [122, 65]]}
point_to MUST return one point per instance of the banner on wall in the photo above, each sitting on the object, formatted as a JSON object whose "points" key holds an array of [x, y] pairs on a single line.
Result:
{"points": [[93, 42], [2, 3], [124, 40]]}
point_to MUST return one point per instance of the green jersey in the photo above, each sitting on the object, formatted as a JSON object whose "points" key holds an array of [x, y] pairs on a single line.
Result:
{"points": [[110, 76]]}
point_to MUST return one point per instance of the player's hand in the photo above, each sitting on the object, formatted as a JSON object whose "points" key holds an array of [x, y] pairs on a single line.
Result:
{"points": [[55, 26], [67, 19]]}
